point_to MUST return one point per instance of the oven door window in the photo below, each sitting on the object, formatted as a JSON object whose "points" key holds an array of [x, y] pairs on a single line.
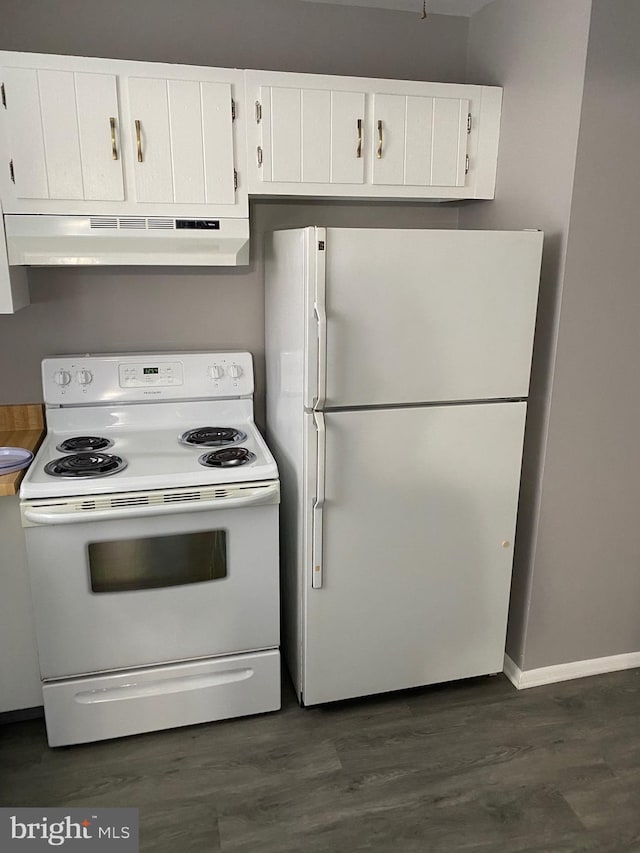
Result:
{"points": [[157, 561]]}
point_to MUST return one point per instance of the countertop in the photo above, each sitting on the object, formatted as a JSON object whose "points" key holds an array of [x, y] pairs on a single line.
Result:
{"points": [[20, 426]]}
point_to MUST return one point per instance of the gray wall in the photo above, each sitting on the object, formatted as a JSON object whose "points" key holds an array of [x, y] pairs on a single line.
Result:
{"points": [[283, 35], [536, 49], [76, 310], [585, 597]]}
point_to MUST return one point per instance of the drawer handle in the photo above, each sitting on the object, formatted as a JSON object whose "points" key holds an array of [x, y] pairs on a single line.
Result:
{"points": [[114, 147], [379, 140], [139, 140], [161, 686], [359, 148]]}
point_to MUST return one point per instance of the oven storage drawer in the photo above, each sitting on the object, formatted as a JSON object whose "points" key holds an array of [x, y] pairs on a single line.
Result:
{"points": [[97, 708]]}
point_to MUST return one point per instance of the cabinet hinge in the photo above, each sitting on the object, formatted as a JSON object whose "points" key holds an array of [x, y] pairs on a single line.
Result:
{"points": [[4, 97], [233, 110], [466, 165], [258, 112], [468, 122], [259, 155], [235, 179], [11, 172]]}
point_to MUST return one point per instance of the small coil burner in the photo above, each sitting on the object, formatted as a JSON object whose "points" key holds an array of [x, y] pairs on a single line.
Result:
{"points": [[229, 457], [212, 436], [85, 465], [84, 442]]}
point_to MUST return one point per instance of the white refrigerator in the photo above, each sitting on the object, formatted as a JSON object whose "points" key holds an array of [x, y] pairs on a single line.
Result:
{"points": [[398, 369]]}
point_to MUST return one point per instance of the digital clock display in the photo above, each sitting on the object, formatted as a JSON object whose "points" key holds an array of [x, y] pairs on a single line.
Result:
{"points": [[148, 370]]}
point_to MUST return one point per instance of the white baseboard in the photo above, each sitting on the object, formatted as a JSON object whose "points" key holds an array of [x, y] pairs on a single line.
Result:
{"points": [[513, 673], [566, 671]]}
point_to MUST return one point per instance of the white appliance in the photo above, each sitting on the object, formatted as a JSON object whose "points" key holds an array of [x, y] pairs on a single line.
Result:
{"points": [[76, 240], [397, 374], [151, 523]]}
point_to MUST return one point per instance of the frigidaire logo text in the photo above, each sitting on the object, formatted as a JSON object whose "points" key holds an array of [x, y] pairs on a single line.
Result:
{"points": [[58, 832]]}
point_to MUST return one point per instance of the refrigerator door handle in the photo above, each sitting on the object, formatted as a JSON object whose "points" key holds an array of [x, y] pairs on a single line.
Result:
{"points": [[320, 310], [316, 576]]}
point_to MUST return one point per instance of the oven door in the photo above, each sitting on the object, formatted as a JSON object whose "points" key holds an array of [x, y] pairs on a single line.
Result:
{"points": [[129, 580]]}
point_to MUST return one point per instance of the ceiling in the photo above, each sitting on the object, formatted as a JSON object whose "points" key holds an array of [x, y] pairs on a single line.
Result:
{"points": [[440, 7]]}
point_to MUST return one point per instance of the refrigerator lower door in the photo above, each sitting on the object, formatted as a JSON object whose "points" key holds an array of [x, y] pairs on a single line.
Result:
{"points": [[418, 520]]}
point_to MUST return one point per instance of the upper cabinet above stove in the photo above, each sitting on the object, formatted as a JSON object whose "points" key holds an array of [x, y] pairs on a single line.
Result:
{"points": [[102, 136], [117, 162], [349, 136], [182, 134], [61, 134]]}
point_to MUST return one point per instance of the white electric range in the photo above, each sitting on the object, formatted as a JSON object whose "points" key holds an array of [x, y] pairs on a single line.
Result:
{"points": [[151, 522]]}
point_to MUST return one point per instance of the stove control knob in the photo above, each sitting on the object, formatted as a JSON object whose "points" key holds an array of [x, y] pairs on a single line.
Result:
{"points": [[216, 371], [84, 377], [62, 377], [234, 371]]}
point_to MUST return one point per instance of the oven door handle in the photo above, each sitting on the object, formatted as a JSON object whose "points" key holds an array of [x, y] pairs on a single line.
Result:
{"points": [[66, 515]]}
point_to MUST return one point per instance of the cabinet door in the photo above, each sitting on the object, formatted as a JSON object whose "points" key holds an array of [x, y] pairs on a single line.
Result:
{"points": [[347, 137], [99, 129], [151, 140], [182, 141], [217, 136], [419, 141], [24, 138], [62, 134], [388, 139], [311, 136]]}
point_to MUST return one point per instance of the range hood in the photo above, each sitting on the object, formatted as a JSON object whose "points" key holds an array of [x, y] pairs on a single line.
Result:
{"points": [[52, 240]]}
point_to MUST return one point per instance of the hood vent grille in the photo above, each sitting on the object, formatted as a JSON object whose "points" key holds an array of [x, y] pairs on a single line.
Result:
{"points": [[132, 222], [104, 222], [157, 222], [136, 223]]}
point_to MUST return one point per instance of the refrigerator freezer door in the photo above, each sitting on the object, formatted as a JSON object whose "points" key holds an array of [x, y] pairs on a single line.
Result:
{"points": [[420, 316], [418, 524]]}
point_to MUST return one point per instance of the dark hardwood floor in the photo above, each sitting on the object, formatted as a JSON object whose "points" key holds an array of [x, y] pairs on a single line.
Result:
{"points": [[471, 766]]}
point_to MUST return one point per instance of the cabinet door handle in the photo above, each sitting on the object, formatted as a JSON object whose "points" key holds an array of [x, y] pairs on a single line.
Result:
{"points": [[359, 148], [379, 140], [114, 146], [139, 139]]}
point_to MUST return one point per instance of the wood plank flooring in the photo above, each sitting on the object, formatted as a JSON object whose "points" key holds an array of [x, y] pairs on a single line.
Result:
{"points": [[472, 766]]}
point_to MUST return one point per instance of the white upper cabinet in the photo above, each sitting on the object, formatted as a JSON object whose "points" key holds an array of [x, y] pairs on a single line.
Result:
{"points": [[101, 136], [59, 129], [419, 141], [181, 133], [348, 136], [82, 135], [304, 132]]}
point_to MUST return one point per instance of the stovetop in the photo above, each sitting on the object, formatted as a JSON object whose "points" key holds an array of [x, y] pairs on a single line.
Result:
{"points": [[146, 436], [155, 456]]}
